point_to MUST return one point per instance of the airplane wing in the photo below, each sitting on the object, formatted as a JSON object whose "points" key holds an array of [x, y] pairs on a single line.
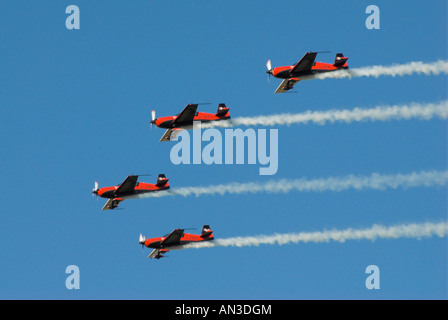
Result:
{"points": [[170, 134], [112, 203], [305, 63], [127, 185], [173, 237], [153, 253], [287, 84], [157, 253], [187, 115], [167, 135]]}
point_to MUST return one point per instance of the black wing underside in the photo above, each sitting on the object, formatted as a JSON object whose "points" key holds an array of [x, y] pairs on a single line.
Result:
{"points": [[305, 63], [187, 115], [173, 237], [127, 185]]}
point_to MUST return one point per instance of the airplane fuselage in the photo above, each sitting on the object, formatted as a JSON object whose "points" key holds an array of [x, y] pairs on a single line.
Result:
{"points": [[155, 243], [168, 122], [318, 67], [140, 188]]}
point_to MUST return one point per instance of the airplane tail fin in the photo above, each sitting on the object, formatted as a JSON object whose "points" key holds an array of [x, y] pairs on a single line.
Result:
{"points": [[162, 180], [222, 110], [339, 60], [206, 232]]}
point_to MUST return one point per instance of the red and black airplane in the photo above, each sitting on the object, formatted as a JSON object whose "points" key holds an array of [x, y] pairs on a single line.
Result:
{"points": [[129, 189], [305, 69], [174, 241], [184, 120]]}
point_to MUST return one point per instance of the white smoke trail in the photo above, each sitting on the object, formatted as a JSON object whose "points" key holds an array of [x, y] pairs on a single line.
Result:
{"points": [[413, 230], [336, 184], [416, 67], [380, 113]]}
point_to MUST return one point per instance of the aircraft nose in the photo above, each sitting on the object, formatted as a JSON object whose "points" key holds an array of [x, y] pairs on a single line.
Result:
{"points": [[100, 192]]}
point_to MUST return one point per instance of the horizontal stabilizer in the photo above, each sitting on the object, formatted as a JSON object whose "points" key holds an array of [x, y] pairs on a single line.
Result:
{"points": [[222, 110], [161, 180], [206, 231], [340, 60]]}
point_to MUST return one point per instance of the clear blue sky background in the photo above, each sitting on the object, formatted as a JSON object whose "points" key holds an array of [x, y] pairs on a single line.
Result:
{"points": [[75, 107]]}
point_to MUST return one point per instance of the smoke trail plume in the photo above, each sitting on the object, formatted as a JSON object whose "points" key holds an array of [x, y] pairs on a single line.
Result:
{"points": [[380, 113], [417, 67], [413, 230], [336, 184]]}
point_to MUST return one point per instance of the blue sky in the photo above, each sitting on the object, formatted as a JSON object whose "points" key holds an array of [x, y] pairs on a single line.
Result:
{"points": [[75, 109]]}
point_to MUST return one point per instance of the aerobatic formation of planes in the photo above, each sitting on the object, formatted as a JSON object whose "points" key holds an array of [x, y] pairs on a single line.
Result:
{"points": [[130, 188]]}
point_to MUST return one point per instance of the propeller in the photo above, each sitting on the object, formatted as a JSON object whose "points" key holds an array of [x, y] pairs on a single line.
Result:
{"points": [[95, 189], [269, 72], [141, 240], [153, 117]]}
